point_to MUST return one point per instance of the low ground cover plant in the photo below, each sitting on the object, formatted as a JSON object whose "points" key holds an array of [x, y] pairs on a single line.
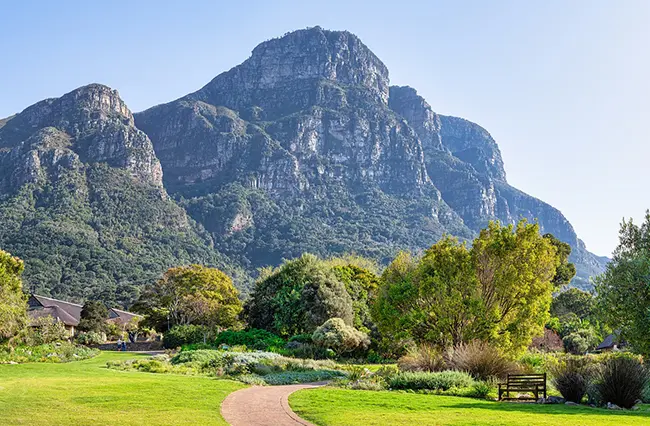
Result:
{"points": [[250, 367], [50, 352]]}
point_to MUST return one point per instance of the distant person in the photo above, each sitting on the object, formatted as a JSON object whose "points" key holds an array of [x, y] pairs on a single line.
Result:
{"points": [[123, 345], [119, 344]]}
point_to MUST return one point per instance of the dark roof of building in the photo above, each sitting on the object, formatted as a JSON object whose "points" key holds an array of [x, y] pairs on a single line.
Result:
{"points": [[72, 309], [52, 311], [610, 341], [121, 316]]}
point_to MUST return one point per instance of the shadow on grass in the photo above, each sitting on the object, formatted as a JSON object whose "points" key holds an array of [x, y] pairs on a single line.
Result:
{"points": [[551, 409]]}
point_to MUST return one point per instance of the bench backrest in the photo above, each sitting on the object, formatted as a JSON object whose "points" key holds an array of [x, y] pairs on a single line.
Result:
{"points": [[527, 379]]}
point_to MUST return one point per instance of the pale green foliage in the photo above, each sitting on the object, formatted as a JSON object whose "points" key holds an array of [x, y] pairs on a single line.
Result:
{"points": [[335, 334], [13, 307], [498, 291], [192, 294], [46, 330]]}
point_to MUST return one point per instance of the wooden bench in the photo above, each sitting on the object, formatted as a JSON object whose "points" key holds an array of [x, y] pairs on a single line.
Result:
{"points": [[529, 383]]}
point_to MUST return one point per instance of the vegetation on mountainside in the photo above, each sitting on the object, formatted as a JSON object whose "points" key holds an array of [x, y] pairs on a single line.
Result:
{"points": [[97, 234]]}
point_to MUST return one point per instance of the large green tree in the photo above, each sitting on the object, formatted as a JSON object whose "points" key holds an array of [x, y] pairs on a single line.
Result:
{"points": [[297, 297], [93, 317], [13, 306], [192, 294], [498, 291], [623, 291]]}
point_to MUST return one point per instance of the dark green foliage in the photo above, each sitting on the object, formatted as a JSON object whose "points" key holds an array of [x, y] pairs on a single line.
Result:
{"points": [[575, 301], [97, 233], [252, 339], [443, 380], [297, 297], [621, 381], [301, 338], [566, 270], [93, 317], [184, 335], [571, 378]]}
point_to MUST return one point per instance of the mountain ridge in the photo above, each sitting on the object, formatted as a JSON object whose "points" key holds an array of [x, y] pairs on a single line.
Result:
{"points": [[305, 146]]}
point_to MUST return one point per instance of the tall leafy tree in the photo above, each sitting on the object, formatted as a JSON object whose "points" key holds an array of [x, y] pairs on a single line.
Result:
{"points": [[297, 297], [192, 294], [498, 291], [13, 306], [623, 291], [93, 317]]}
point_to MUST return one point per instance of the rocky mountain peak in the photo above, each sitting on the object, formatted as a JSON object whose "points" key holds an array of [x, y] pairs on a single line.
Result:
{"points": [[98, 126], [414, 108], [301, 69]]}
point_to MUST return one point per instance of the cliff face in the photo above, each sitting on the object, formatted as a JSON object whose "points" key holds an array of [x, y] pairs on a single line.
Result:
{"points": [[310, 121]]}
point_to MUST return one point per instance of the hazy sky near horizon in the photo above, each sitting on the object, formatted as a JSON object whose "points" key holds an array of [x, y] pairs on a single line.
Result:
{"points": [[562, 85]]}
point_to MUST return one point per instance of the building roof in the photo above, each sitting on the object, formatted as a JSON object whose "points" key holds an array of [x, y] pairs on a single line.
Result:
{"points": [[610, 341], [120, 316], [52, 311], [71, 309]]}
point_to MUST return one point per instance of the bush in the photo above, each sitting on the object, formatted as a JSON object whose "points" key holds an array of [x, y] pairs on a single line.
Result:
{"points": [[423, 358], [443, 380], [575, 344], [301, 338], [46, 330], [292, 377], [184, 335], [89, 338], [51, 352], [571, 378], [481, 390], [253, 338], [532, 362], [481, 361], [621, 381], [336, 335]]}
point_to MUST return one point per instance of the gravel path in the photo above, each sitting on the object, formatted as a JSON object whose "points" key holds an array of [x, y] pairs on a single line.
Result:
{"points": [[263, 406]]}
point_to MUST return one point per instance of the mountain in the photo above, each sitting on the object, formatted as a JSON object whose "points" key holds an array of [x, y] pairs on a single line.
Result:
{"points": [[304, 147], [82, 200]]}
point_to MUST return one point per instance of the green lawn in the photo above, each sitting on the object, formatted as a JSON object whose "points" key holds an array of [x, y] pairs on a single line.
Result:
{"points": [[338, 407], [86, 393]]}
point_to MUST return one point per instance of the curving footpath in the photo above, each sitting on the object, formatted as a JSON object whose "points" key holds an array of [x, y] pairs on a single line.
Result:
{"points": [[263, 406]]}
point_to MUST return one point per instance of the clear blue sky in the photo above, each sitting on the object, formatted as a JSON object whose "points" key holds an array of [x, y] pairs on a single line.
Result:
{"points": [[562, 85]]}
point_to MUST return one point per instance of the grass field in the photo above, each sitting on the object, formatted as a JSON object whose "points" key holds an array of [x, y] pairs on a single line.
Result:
{"points": [[86, 393], [339, 407]]}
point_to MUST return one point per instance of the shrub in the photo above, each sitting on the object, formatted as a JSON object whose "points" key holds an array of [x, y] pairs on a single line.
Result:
{"points": [[89, 338], [575, 343], [621, 381], [481, 390], [301, 338], [443, 380], [253, 338], [292, 377], [481, 361], [51, 352], [184, 335], [46, 330], [336, 335], [423, 358], [532, 362], [571, 378], [306, 350]]}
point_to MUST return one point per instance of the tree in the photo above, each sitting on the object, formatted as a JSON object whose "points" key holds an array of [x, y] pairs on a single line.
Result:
{"points": [[13, 306], [335, 334], [515, 267], [498, 291], [297, 297], [623, 290], [565, 270], [93, 317], [192, 294], [575, 301]]}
